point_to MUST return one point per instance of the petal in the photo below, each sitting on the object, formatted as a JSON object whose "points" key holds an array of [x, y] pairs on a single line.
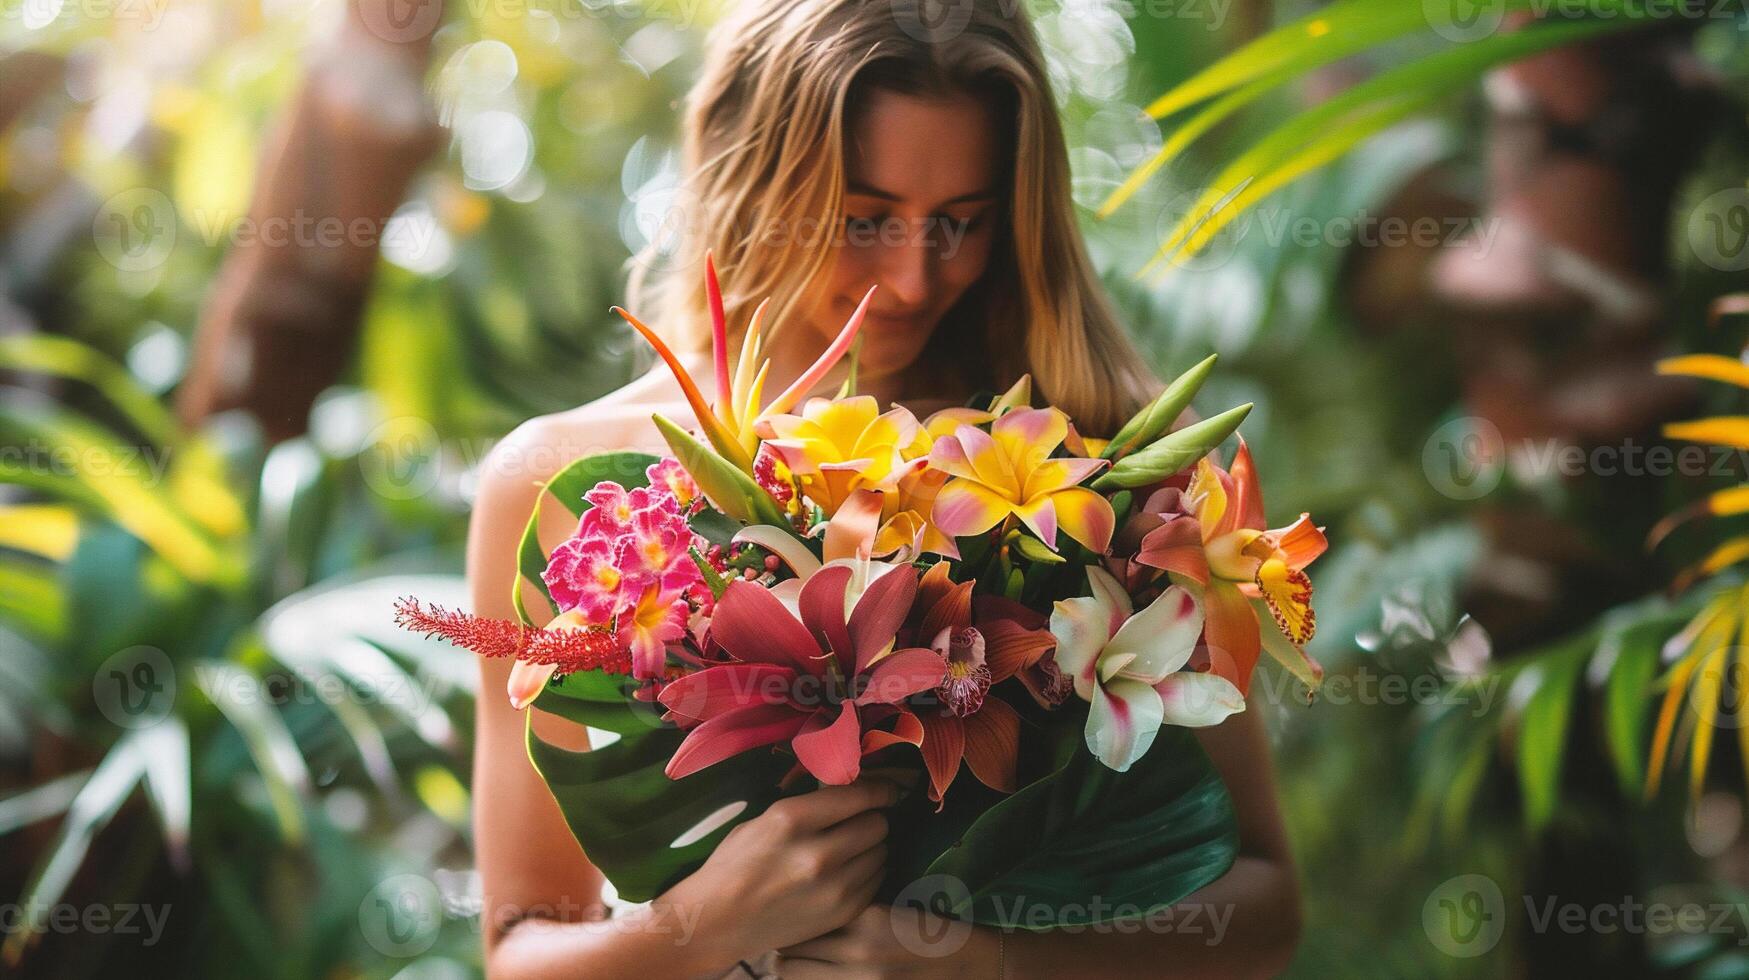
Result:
{"points": [[1195, 700], [722, 688], [1207, 496], [901, 674], [879, 612], [1176, 546], [1287, 592], [732, 733], [1247, 502], [992, 747], [1111, 595], [965, 508], [1009, 647], [990, 466], [948, 456], [1292, 656], [1300, 542], [906, 730], [783, 544], [1081, 628], [851, 531], [1162, 637], [952, 609], [822, 605], [831, 748], [1039, 515], [944, 744], [1122, 723], [526, 681], [1059, 474], [752, 625], [1028, 435], [1230, 630], [1085, 516], [942, 424]]}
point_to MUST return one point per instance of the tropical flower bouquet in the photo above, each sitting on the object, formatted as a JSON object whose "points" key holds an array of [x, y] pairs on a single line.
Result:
{"points": [[1027, 618]]}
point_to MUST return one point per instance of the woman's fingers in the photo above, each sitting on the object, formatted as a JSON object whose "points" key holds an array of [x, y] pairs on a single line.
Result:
{"points": [[833, 804], [854, 836]]}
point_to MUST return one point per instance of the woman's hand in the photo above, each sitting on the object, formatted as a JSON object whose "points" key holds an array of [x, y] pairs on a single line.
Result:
{"points": [[804, 867], [885, 943]]}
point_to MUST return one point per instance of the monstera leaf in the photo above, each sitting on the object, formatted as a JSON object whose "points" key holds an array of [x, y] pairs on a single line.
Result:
{"points": [[642, 829], [1087, 844]]}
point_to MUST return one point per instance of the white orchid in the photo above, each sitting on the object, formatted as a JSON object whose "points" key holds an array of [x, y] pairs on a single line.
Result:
{"points": [[1130, 667]]}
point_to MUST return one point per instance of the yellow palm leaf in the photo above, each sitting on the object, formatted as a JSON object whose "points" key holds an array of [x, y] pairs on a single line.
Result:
{"points": [[1713, 367], [1722, 430]]}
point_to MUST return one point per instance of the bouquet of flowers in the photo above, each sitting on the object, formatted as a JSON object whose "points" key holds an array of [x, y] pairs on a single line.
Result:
{"points": [[1028, 618]]}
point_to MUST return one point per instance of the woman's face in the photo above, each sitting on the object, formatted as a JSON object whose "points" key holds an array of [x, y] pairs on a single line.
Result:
{"points": [[920, 201]]}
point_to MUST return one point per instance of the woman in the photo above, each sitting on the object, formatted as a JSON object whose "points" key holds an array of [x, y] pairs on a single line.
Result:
{"points": [[832, 144]]}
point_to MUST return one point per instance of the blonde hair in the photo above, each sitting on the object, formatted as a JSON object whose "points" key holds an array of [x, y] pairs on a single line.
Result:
{"points": [[763, 155]]}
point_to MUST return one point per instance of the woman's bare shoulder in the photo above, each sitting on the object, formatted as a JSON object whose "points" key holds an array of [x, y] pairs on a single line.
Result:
{"points": [[619, 420]]}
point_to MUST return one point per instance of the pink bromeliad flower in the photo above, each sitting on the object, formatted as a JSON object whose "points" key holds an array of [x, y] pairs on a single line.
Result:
{"points": [[819, 682]]}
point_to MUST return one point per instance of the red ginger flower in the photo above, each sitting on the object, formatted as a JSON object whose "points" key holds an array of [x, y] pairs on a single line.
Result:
{"points": [[567, 650]]}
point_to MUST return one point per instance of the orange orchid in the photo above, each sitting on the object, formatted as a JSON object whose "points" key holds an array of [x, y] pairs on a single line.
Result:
{"points": [[1213, 534]]}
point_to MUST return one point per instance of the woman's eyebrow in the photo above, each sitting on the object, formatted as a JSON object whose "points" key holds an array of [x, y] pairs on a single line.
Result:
{"points": [[861, 189]]}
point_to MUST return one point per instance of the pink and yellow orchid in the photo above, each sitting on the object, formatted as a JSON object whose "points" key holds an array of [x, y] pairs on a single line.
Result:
{"points": [[1211, 533], [731, 421], [1009, 472], [1130, 667]]}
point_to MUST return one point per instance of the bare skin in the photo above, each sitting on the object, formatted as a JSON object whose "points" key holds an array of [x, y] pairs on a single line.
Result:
{"points": [[800, 878]]}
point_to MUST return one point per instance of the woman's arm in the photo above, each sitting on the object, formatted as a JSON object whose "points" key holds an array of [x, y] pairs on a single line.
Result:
{"points": [[543, 915], [805, 866], [1245, 924]]}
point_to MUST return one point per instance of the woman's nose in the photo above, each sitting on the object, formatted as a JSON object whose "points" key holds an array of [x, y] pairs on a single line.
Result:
{"points": [[910, 269]]}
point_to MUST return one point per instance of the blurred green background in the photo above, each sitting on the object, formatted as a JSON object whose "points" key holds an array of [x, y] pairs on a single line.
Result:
{"points": [[222, 461]]}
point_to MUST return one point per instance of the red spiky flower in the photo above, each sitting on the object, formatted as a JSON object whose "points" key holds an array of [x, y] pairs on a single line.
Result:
{"points": [[570, 650]]}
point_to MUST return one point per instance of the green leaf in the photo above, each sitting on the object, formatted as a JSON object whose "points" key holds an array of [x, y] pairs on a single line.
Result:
{"points": [[1542, 731], [270, 744], [1036, 550], [1161, 412], [715, 526], [169, 783], [1626, 697], [730, 489], [91, 810], [1173, 451], [712, 580], [568, 486], [1326, 131], [1144, 839], [627, 814]]}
